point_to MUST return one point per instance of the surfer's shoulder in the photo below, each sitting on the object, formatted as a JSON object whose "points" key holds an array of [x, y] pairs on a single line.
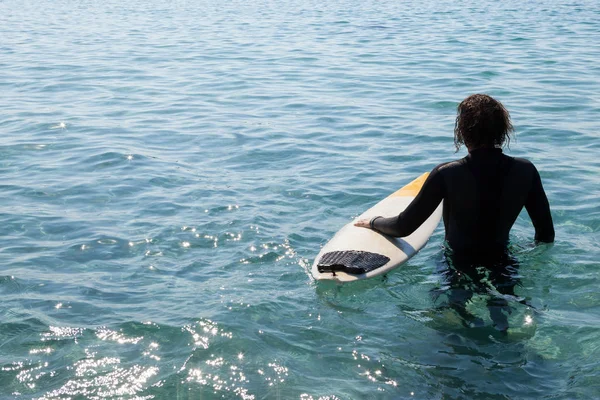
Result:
{"points": [[449, 165], [522, 161], [524, 164]]}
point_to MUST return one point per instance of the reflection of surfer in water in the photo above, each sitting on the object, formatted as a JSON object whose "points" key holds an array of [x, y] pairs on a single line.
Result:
{"points": [[483, 194]]}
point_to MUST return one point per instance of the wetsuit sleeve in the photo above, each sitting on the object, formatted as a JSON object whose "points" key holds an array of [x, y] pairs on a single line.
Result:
{"points": [[429, 197], [538, 208]]}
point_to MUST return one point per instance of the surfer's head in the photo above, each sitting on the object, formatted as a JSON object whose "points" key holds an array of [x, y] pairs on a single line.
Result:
{"points": [[481, 121]]}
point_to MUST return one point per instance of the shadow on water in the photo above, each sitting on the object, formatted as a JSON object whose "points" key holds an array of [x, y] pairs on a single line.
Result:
{"points": [[348, 297]]}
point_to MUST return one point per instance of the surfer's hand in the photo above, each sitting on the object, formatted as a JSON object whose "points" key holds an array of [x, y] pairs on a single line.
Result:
{"points": [[366, 223], [363, 223]]}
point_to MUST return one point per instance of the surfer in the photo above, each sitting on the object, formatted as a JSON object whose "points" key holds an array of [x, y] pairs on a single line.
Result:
{"points": [[483, 194]]}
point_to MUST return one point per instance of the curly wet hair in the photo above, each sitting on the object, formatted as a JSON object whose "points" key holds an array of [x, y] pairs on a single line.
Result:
{"points": [[482, 121]]}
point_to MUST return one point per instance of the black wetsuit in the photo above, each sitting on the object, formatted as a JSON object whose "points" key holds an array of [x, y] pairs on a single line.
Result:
{"points": [[483, 194]]}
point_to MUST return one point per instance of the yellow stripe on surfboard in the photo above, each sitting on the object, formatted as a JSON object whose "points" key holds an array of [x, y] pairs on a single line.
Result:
{"points": [[412, 189]]}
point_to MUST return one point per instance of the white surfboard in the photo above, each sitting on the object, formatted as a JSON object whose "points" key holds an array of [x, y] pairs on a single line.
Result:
{"points": [[363, 253]]}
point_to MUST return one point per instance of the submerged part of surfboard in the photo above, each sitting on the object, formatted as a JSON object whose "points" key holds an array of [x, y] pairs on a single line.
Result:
{"points": [[358, 253]]}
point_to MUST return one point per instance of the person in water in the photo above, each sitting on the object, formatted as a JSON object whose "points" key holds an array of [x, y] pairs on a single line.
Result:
{"points": [[483, 194]]}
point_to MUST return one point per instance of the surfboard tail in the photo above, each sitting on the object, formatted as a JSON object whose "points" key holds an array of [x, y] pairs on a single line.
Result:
{"points": [[351, 262]]}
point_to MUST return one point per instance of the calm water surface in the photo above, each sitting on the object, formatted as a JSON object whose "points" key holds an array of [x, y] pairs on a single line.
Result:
{"points": [[169, 170]]}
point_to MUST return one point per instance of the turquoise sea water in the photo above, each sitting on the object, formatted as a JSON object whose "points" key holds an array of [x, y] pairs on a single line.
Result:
{"points": [[169, 170]]}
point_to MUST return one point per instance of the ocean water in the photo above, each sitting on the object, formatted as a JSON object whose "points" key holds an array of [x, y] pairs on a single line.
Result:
{"points": [[169, 171]]}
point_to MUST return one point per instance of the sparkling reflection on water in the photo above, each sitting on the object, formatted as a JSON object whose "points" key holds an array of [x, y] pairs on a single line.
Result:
{"points": [[169, 171]]}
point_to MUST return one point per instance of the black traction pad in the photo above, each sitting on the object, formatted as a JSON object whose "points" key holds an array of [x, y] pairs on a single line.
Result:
{"points": [[351, 262]]}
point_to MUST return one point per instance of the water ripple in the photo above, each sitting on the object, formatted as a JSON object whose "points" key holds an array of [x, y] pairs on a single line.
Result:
{"points": [[170, 170]]}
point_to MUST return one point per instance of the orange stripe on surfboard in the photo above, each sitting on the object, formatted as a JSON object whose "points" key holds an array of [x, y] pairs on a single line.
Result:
{"points": [[412, 189]]}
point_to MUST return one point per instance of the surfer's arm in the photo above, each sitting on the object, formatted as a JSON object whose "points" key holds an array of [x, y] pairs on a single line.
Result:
{"points": [[428, 199], [538, 208]]}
